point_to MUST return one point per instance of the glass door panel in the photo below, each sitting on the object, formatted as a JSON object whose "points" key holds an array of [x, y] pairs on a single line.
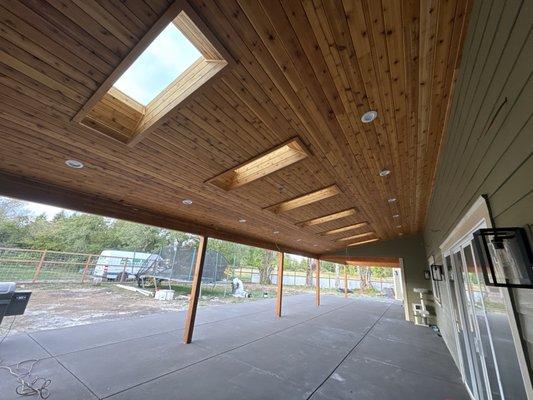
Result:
{"points": [[495, 331], [470, 284], [464, 341]]}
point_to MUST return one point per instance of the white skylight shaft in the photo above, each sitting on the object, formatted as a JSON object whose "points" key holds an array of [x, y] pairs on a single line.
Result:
{"points": [[167, 57]]}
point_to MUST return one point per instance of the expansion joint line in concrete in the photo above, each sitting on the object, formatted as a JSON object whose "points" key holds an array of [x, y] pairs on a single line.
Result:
{"points": [[349, 352]]}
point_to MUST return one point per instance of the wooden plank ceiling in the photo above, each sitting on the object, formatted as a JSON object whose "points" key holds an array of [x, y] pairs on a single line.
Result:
{"points": [[305, 69]]}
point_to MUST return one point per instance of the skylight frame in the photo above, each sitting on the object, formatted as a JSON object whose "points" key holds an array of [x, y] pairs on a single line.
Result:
{"points": [[346, 228], [304, 200], [273, 160], [363, 242], [214, 59], [328, 218], [358, 236]]}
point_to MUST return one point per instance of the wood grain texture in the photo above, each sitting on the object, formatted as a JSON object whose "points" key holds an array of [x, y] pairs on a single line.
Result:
{"points": [[488, 148], [306, 68], [188, 329]]}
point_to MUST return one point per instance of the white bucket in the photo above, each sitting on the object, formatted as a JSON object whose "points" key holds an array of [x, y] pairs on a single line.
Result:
{"points": [[164, 294]]}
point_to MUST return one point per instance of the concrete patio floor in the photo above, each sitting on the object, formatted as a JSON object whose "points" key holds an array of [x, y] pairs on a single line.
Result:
{"points": [[345, 349]]}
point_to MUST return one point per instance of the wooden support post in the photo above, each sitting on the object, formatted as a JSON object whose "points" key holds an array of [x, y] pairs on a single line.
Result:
{"points": [[279, 294], [195, 290], [345, 281], [317, 282], [85, 267], [39, 266]]}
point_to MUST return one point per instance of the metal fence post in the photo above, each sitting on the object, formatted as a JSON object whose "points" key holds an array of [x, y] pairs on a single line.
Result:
{"points": [[39, 266], [124, 270], [85, 267]]}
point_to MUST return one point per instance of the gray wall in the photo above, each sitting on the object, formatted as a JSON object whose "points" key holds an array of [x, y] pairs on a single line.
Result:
{"points": [[489, 140], [411, 249]]}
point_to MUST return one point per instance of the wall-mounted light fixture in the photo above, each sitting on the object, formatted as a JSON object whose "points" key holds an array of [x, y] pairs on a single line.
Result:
{"points": [[436, 272], [504, 255]]}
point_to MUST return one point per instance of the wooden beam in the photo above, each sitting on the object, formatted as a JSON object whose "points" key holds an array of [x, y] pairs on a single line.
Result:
{"points": [[391, 262], [41, 192], [346, 281], [195, 290], [279, 294], [305, 199], [317, 283]]}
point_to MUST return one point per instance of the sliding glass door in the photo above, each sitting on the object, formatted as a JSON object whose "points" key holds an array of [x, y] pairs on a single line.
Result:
{"points": [[484, 340]]}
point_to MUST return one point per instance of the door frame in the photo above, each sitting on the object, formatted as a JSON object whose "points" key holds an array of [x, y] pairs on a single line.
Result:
{"points": [[469, 362], [458, 248], [477, 215]]}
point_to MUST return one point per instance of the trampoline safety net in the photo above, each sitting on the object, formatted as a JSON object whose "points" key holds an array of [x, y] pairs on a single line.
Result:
{"points": [[177, 263]]}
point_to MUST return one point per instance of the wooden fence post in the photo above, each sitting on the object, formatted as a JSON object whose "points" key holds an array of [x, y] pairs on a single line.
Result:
{"points": [[317, 282], [195, 290], [85, 267], [279, 294], [39, 266]]}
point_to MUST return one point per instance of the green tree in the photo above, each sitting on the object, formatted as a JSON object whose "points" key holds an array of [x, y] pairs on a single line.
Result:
{"points": [[266, 266], [125, 235], [80, 233], [13, 222]]}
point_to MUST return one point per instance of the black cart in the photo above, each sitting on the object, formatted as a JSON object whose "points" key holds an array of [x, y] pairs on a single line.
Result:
{"points": [[11, 301]]}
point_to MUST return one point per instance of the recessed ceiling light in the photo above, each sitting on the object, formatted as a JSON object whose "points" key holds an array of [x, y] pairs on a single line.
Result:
{"points": [[369, 116], [396, 216], [275, 232], [74, 164], [392, 200], [187, 202], [384, 172], [315, 245], [242, 220], [298, 240], [398, 226]]}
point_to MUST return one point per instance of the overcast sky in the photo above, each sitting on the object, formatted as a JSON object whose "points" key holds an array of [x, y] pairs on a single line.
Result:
{"points": [[163, 61]]}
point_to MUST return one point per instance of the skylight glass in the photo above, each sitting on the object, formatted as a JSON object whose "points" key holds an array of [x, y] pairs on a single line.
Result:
{"points": [[169, 55]]}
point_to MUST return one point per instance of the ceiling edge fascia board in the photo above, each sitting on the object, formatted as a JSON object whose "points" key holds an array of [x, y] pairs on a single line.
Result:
{"points": [[41, 192]]}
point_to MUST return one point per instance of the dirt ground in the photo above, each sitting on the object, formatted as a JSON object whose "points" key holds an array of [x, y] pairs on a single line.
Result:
{"points": [[57, 305]]}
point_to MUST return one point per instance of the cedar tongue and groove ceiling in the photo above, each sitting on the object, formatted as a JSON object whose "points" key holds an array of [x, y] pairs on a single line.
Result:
{"points": [[267, 147]]}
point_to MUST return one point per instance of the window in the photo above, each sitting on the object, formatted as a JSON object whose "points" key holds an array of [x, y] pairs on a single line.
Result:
{"points": [[328, 218], [170, 63], [166, 58], [273, 160], [304, 200]]}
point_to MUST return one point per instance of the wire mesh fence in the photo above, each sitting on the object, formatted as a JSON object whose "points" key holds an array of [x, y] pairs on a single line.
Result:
{"points": [[170, 263]]}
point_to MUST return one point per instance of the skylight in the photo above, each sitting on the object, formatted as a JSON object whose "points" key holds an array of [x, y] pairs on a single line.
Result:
{"points": [[167, 57]]}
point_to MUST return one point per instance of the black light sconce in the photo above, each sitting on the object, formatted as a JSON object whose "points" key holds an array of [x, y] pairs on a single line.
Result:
{"points": [[427, 275], [436, 272], [505, 258]]}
